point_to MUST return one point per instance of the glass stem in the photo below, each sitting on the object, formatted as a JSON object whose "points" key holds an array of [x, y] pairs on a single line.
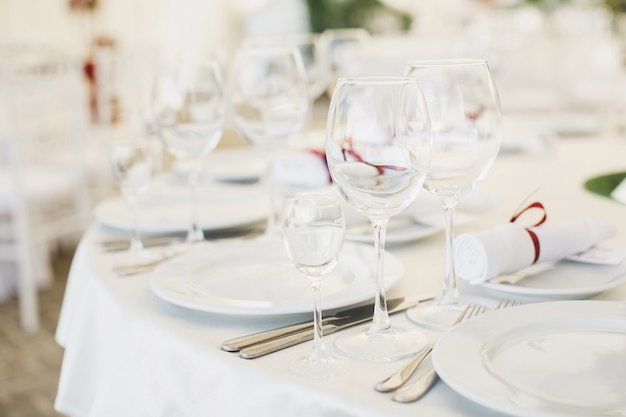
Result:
{"points": [[135, 241], [319, 348], [380, 322], [194, 234], [272, 221], [450, 291]]}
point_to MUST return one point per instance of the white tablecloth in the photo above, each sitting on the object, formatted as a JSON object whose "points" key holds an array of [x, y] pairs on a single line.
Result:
{"points": [[129, 353]]}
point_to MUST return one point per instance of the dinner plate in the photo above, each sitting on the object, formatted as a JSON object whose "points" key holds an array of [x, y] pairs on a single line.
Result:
{"points": [[575, 123], [240, 164], [401, 229], [405, 228], [423, 218], [563, 123], [560, 280], [255, 277], [550, 359], [170, 212], [237, 164]]}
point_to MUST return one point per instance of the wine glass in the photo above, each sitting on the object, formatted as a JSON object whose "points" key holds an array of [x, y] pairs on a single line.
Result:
{"points": [[189, 111], [378, 150], [336, 44], [133, 164], [315, 61], [465, 115], [313, 232], [270, 101]]}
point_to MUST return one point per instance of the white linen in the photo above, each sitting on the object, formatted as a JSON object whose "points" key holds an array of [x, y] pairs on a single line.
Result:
{"points": [[508, 248], [128, 353]]}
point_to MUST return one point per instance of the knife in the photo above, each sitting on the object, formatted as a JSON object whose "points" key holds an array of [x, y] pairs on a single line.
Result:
{"points": [[358, 315], [238, 343], [150, 241], [363, 311], [120, 244]]}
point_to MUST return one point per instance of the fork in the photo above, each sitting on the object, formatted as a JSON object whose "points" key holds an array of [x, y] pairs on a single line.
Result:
{"points": [[171, 252], [416, 389], [133, 269], [397, 379]]}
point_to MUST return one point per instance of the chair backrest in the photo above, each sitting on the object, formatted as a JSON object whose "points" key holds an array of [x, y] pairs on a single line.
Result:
{"points": [[44, 193], [45, 132]]}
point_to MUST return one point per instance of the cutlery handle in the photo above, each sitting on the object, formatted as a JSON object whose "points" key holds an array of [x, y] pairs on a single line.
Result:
{"points": [[139, 269], [132, 269], [306, 334], [397, 379], [274, 345], [112, 245], [238, 343], [416, 389]]}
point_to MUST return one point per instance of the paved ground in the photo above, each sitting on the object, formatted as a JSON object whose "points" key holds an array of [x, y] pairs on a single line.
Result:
{"points": [[30, 365]]}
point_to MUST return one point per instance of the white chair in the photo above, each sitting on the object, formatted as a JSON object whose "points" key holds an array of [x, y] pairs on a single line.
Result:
{"points": [[44, 195]]}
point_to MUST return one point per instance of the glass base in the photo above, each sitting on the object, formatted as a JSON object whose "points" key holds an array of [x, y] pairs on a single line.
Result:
{"points": [[390, 345], [137, 256], [194, 236], [135, 245], [325, 367], [435, 315]]}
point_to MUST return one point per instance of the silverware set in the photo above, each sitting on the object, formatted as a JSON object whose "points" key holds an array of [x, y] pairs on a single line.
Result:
{"points": [[399, 383], [173, 244], [403, 387], [122, 244], [148, 266], [260, 344]]}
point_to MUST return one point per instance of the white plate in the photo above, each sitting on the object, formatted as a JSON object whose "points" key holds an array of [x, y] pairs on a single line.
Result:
{"points": [[561, 280], [562, 123], [249, 277], [244, 164], [423, 218], [574, 124], [401, 229], [171, 212], [552, 359], [247, 164], [405, 228]]}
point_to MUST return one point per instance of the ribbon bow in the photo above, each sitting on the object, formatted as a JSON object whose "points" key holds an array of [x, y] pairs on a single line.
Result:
{"points": [[533, 235]]}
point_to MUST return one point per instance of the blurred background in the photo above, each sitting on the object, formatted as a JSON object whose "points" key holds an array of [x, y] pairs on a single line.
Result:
{"points": [[72, 71]]}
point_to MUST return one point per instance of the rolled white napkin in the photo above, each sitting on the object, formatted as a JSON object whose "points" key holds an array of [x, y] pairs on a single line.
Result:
{"points": [[509, 247], [303, 169]]}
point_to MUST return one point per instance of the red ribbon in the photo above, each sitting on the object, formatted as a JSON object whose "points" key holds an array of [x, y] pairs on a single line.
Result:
{"points": [[349, 153], [322, 156], [533, 235]]}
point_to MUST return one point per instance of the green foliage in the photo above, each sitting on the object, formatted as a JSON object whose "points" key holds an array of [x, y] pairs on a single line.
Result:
{"points": [[337, 14], [548, 5], [616, 6]]}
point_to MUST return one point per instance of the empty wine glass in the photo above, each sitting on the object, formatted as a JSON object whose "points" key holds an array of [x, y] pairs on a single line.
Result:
{"points": [[133, 164], [189, 112], [337, 45], [378, 150], [313, 232], [270, 101], [315, 61], [465, 115]]}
